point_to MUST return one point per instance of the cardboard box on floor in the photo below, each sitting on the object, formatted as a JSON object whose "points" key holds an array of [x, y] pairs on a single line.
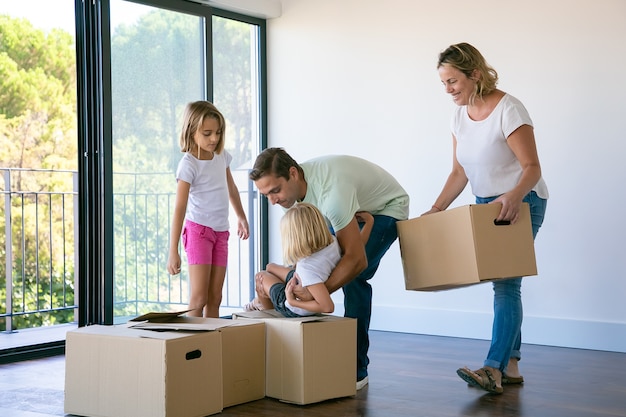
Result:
{"points": [[115, 371], [309, 359], [463, 246], [243, 352]]}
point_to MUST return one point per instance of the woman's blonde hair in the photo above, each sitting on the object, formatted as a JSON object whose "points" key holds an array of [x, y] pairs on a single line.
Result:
{"points": [[303, 232], [467, 59], [193, 117]]}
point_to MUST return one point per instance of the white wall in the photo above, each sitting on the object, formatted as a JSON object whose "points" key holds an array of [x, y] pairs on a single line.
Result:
{"points": [[359, 77]]}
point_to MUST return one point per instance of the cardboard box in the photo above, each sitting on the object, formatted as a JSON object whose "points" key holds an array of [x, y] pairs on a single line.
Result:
{"points": [[309, 359], [243, 352], [463, 246], [115, 371]]}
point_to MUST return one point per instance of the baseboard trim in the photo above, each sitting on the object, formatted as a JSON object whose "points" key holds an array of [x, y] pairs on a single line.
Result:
{"points": [[548, 331]]}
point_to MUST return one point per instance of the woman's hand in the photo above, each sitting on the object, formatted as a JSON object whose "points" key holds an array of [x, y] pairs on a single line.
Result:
{"points": [[511, 206], [431, 211]]}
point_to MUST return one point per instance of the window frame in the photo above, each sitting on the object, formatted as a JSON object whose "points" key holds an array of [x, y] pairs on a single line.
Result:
{"points": [[96, 282]]}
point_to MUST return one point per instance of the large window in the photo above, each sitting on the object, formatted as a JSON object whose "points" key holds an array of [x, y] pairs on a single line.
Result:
{"points": [[161, 60], [89, 125], [38, 168]]}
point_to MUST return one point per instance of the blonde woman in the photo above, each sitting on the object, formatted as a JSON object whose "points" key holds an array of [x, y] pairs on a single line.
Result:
{"points": [[204, 188], [312, 253], [494, 151]]}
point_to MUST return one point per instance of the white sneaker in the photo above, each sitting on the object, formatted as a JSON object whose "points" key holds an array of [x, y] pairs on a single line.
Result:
{"points": [[360, 384]]}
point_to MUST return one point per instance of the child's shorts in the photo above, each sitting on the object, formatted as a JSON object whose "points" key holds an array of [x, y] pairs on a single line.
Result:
{"points": [[205, 246], [278, 296]]}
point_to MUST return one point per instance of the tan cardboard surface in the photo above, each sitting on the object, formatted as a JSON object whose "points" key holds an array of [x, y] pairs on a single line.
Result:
{"points": [[243, 350], [114, 371], [308, 359], [462, 246]]}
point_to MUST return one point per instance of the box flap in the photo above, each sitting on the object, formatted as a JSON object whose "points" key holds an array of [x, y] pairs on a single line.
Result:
{"points": [[182, 324], [160, 316], [273, 314]]}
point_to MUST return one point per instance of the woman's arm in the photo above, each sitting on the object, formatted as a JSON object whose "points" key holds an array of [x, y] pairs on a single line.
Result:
{"points": [[455, 184], [522, 143]]}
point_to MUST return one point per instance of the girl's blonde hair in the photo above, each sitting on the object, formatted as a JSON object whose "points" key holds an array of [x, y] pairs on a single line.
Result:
{"points": [[193, 117], [303, 232], [467, 59]]}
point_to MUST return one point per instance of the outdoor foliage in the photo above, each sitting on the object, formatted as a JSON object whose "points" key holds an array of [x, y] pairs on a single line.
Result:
{"points": [[157, 67], [37, 132]]}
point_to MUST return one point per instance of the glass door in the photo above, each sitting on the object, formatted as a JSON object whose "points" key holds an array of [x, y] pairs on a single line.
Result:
{"points": [[38, 174], [160, 60]]}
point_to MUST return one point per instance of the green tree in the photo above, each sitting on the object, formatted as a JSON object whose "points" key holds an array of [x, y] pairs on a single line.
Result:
{"points": [[38, 131]]}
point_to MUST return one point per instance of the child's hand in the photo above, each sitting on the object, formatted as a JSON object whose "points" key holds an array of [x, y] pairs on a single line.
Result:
{"points": [[364, 217], [173, 264], [243, 230]]}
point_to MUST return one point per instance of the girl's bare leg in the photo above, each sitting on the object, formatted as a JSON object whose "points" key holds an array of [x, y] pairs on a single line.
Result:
{"points": [[199, 277], [214, 291]]}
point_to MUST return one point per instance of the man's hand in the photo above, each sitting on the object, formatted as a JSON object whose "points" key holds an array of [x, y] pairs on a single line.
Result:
{"points": [[300, 292]]}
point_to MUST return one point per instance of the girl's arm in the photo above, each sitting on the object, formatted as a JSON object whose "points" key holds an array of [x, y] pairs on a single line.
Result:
{"points": [[243, 230], [321, 302], [180, 207], [367, 218], [279, 270]]}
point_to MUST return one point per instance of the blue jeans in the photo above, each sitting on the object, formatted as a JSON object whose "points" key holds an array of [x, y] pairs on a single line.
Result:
{"points": [[506, 337], [358, 292]]}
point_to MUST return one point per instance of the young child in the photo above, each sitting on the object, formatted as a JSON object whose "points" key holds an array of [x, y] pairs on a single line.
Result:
{"points": [[204, 187], [309, 246]]}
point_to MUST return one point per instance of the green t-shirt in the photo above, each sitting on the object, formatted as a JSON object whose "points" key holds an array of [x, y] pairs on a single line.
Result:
{"points": [[341, 185]]}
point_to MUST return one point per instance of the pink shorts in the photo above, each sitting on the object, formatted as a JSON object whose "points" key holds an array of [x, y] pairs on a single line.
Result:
{"points": [[205, 246]]}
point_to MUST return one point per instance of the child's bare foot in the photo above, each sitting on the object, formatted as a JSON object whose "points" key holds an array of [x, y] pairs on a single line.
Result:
{"points": [[254, 305]]}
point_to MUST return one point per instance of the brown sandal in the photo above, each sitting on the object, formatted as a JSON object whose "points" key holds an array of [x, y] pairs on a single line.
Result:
{"points": [[512, 380], [482, 378]]}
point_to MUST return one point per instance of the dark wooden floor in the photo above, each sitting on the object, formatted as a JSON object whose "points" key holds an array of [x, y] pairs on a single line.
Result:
{"points": [[410, 375]]}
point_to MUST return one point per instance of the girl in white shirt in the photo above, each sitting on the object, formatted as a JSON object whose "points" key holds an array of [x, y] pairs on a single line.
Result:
{"points": [[312, 253], [204, 187]]}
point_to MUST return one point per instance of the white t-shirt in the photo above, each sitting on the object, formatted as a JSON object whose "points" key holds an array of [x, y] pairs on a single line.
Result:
{"points": [[316, 269], [482, 149], [208, 202]]}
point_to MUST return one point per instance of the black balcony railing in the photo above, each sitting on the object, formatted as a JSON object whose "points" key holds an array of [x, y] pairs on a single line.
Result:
{"points": [[38, 275], [39, 278]]}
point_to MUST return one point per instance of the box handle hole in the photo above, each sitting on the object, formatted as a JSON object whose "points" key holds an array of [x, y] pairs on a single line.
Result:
{"points": [[194, 354], [502, 222]]}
